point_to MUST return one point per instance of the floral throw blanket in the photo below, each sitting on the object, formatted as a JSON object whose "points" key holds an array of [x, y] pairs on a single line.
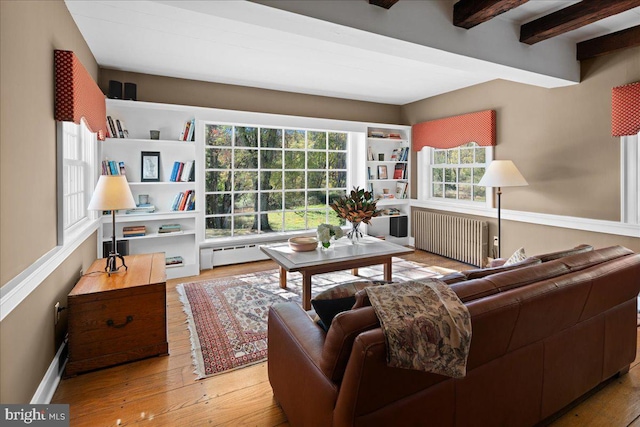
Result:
{"points": [[425, 324]]}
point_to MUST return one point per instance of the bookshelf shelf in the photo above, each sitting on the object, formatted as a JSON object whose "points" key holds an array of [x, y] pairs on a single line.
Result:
{"points": [[154, 235]]}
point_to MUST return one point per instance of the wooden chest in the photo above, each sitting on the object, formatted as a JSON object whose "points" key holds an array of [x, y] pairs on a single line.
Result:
{"points": [[118, 318]]}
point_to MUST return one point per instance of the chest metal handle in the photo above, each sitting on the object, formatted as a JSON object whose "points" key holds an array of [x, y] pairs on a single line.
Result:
{"points": [[121, 325]]}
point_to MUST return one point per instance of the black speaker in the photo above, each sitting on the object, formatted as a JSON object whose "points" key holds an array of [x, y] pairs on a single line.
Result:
{"points": [[130, 90], [123, 247], [115, 89], [398, 226]]}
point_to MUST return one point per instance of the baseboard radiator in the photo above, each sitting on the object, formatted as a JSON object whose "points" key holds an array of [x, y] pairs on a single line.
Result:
{"points": [[459, 238], [232, 254]]}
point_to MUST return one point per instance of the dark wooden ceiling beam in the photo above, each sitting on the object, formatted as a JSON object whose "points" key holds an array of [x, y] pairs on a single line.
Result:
{"points": [[383, 3], [469, 13], [606, 44], [572, 17]]}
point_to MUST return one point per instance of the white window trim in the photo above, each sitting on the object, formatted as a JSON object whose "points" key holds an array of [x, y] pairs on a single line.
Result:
{"points": [[630, 179], [424, 185]]}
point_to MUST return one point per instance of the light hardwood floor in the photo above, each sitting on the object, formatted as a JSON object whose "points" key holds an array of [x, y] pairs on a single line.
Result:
{"points": [[162, 391]]}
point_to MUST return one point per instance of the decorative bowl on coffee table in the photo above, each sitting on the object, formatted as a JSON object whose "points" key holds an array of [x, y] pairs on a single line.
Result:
{"points": [[303, 244]]}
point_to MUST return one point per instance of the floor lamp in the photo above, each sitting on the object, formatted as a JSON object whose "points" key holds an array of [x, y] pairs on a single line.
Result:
{"points": [[502, 173], [111, 194]]}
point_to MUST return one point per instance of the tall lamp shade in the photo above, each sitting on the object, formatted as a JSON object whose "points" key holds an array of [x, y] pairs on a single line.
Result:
{"points": [[502, 173], [112, 193]]}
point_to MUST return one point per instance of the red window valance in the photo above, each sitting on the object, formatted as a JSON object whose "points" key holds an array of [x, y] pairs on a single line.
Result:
{"points": [[625, 110], [77, 96], [479, 127]]}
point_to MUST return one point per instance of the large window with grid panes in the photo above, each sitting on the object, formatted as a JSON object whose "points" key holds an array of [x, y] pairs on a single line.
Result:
{"points": [[271, 179]]}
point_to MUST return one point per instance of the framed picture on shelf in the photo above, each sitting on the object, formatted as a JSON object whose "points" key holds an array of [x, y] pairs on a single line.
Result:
{"points": [[150, 166], [382, 172]]}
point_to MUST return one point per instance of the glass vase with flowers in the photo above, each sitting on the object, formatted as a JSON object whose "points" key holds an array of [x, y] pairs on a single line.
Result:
{"points": [[357, 207]]}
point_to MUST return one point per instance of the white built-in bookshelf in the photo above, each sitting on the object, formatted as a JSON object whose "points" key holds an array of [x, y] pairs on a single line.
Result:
{"points": [[388, 154], [139, 119]]}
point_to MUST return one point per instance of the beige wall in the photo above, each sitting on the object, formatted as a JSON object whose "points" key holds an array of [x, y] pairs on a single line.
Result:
{"points": [[561, 141], [29, 32], [170, 90]]}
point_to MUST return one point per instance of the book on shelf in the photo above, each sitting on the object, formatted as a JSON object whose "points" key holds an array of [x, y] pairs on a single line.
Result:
{"points": [[391, 212], [186, 171], [184, 201], [111, 167], [192, 128], [134, 231], [112, 127], [401, 189], [377, 134], [116, 128], [395, 155], [188, 130], [174, 260], [395, 136], [142, 209], [169, 228], [399, 171]]}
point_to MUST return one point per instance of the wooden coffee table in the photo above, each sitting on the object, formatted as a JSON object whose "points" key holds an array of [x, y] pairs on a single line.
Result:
{"points": [[342, 256]]}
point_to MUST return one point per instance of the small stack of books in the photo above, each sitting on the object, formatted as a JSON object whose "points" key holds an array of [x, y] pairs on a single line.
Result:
{"points": [[134, 231], [169, 228], [142, 209], [173, 261]]}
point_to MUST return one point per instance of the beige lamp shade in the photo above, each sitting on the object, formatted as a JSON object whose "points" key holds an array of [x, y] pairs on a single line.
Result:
{"points": [[502, 173], [112, 193]]}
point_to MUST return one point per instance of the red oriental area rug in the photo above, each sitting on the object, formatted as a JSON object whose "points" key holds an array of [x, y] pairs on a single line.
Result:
{"points": [[227, 317]]}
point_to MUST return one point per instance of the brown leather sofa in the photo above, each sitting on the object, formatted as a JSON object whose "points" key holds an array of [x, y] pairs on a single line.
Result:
{"points": [[543, 335]]}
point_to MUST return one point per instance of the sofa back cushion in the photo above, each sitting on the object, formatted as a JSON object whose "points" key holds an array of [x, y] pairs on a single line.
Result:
{"points": [[567, 252], [482, 272]]}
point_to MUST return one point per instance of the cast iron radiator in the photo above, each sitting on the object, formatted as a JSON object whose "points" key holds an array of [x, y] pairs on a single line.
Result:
{"points": [[459, 238]]}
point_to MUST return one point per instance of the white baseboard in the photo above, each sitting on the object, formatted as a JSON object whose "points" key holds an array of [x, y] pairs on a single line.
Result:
{"points": [[51, 379]]}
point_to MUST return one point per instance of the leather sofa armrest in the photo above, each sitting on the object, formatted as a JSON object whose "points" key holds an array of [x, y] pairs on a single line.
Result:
{"points": [[297, 326], [294, 351]]}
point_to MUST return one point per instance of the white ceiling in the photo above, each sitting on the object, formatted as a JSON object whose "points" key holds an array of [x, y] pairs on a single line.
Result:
{"points": [[252, 44]]}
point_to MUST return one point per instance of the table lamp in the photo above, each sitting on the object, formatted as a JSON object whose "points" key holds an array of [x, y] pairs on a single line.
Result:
{"points": [[111, 194], [502, 173]]}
